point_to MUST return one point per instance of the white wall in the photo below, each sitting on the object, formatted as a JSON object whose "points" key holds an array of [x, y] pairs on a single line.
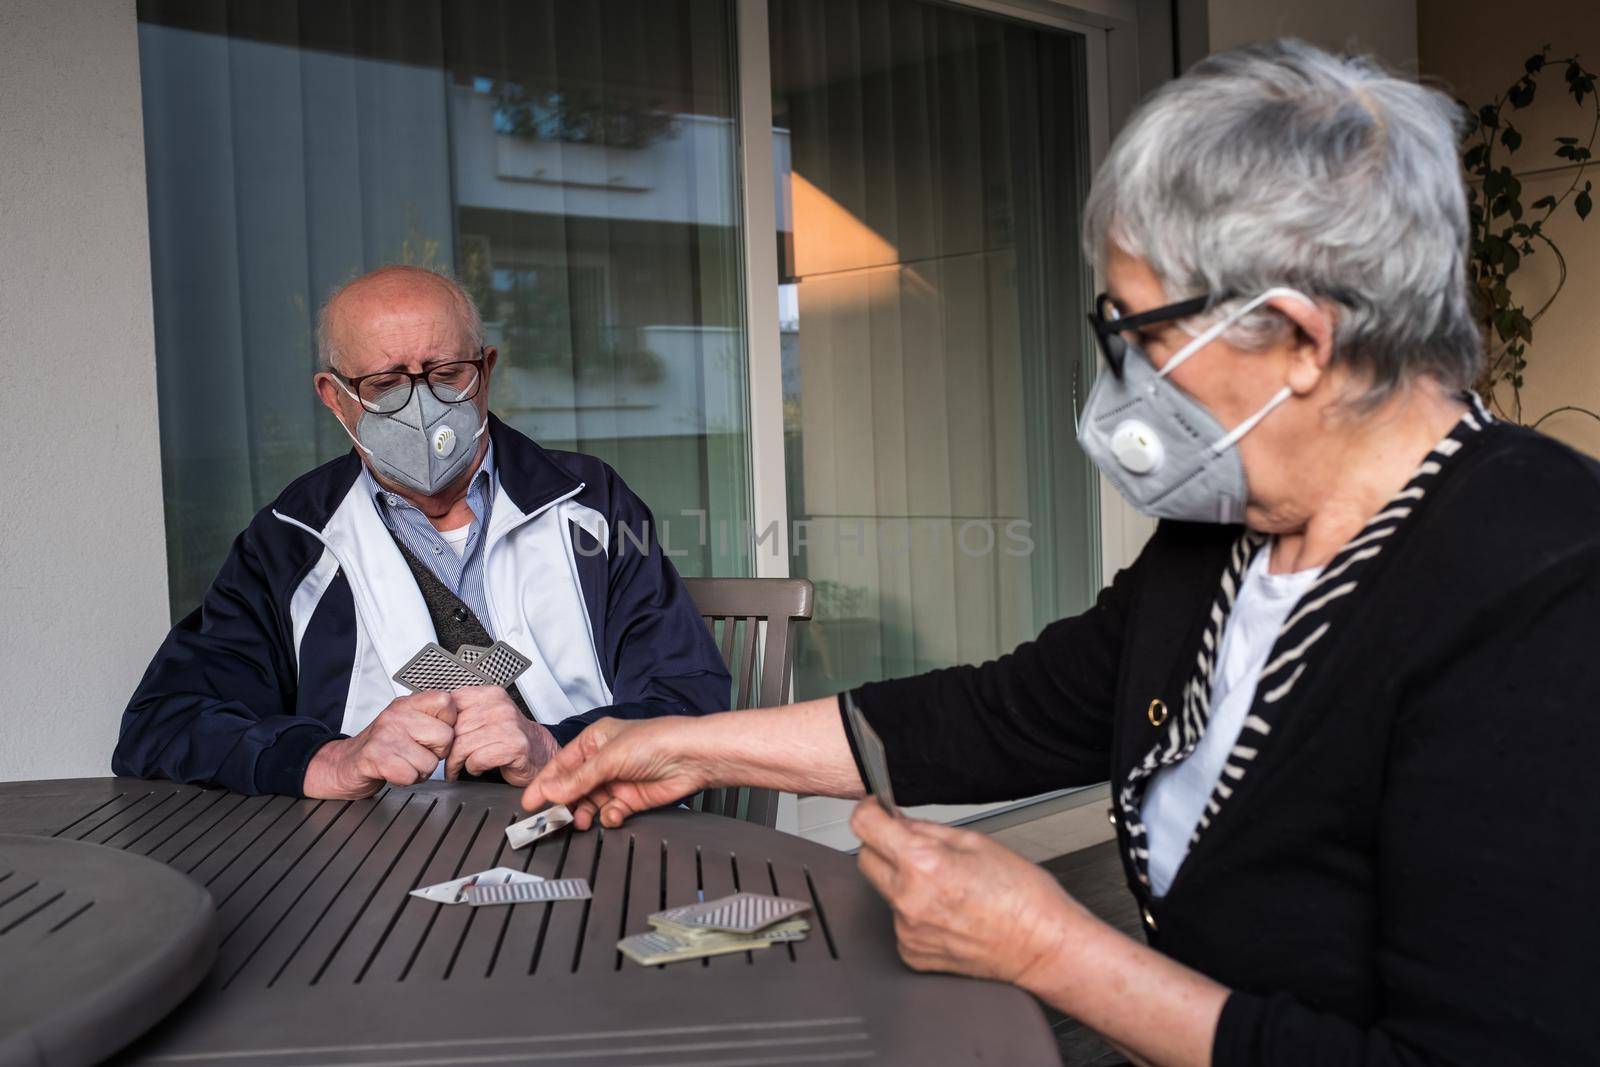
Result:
{"points": [[83, 586], [1386, 28]]}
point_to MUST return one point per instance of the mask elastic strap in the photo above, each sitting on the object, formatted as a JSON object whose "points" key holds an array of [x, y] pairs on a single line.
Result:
{"points": [[1249, 424], [1216, 329], [346, 429]]}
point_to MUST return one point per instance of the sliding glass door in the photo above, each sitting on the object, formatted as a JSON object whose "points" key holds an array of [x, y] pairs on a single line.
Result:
{"points": [[930, 163]]}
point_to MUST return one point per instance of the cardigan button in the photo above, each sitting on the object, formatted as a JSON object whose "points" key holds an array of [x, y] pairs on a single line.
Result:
{"points": [[1149, 920], [1156, 712], [1111, 816]]}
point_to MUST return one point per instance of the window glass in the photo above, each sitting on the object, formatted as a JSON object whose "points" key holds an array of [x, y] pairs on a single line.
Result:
{"points": [[931, 163], [572, 163]]}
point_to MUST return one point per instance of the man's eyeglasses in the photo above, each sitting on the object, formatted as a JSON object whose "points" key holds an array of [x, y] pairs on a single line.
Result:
{"points": [[1110, 325], [389, 391]]}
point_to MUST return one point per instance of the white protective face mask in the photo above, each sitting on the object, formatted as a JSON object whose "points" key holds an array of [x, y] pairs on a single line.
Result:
{"points": [[1162, 449]]}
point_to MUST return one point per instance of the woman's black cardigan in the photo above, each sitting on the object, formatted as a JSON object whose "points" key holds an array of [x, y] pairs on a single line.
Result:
{"points": [[1410, 873]]}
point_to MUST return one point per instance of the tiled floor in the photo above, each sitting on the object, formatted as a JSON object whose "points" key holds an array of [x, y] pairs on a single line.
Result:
{"points": [[1093, 875]]}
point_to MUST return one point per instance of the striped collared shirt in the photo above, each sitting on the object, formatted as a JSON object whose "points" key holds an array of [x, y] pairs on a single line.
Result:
{"points": [[463, 574]]}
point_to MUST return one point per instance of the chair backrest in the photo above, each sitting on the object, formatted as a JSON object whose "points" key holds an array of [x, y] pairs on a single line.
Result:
{"points": [[753, 622]]}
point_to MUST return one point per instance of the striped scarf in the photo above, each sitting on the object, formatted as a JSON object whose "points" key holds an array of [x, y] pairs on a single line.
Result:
{"points": [[1292, 653]]}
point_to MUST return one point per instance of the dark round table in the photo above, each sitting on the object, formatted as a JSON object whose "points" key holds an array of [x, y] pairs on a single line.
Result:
{"points": [[324, 958], [96, 945]]}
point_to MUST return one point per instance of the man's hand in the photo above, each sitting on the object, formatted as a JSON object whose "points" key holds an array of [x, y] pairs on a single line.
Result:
{"points": [[492, 732], [401, 746], [617, 768], [962, 902]]}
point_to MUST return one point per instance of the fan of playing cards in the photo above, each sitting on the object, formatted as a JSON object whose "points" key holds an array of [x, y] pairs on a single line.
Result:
{"points": [[738, 923], [434, 668]]}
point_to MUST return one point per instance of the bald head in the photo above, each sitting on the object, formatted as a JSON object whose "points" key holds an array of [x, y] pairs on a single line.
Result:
{"points": [[393, 313]]}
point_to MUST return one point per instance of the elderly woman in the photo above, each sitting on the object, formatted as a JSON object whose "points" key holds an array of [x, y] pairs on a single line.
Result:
{"points": [[1344, 695]]}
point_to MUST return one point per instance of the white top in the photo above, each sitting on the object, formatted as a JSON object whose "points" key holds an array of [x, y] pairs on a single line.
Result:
{"points": [[457, 538], [1178, 793]]}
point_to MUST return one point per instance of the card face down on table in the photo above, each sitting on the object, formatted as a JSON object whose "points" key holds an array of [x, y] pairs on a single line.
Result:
{"points": [[435, 669], [454, 891]]}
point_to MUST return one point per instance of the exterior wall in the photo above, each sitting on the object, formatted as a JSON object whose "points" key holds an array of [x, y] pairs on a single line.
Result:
{"points": [[1386, 28], [82, 567], [1476, 49]]}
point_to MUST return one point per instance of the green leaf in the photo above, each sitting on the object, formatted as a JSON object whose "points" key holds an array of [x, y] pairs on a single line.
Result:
{"points": [[1583, 204], [1566, 140], [1534, 63], [1489, 116], [1544, 203], [1511, 138], [1520, 95]]}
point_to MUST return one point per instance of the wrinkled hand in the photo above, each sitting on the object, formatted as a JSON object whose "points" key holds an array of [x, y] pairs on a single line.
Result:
{"points": [[491, 732], [401, 746], [617, 768], [962, 902]]}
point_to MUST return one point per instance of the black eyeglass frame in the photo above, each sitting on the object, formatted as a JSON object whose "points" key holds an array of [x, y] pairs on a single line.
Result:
{"points": [[424, 376], [1108, 330]]}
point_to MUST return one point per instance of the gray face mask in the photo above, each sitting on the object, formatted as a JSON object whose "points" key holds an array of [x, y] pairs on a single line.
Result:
{"points": [[424, 445], [1162, 449]]}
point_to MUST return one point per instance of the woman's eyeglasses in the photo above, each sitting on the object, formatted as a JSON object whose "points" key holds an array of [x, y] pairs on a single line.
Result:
{"points": [[1110, 325]]}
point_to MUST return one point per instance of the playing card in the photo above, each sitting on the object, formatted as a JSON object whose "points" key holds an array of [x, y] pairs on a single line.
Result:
{"points": [[470, 654], [539, 824], [657, 947], [453, 891], [501, 664], [530, 892], [873, 760], [434, 668], [742, 913], [788, 930]]}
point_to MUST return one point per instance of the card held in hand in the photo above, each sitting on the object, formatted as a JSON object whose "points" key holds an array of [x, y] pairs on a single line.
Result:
{"points": [[539, 824], [434, 668], [873, 761]]}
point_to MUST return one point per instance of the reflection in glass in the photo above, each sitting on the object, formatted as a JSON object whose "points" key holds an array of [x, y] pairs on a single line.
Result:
{"points": [[931, 162], [573, 163]]}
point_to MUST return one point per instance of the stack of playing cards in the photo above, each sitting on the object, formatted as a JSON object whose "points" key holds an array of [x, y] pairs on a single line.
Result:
{"points": [[434, 668], [738, 923]]}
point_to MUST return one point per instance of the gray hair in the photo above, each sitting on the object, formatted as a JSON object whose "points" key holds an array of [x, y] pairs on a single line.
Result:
{"points": [[1280, 164], [466, 308]]}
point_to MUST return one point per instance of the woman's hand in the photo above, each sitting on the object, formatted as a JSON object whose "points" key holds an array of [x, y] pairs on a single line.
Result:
{"points": [[963, 903], [618, 768]]}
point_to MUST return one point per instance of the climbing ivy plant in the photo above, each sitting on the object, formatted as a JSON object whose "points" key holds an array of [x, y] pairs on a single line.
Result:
{"points": [[1506, 234]]}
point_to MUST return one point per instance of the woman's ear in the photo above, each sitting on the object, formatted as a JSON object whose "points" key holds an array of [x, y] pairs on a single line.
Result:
{"points": [[1310, 344]]}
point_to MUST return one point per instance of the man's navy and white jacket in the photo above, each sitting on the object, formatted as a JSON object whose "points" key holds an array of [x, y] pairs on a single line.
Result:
{"points": [[315, 609]]}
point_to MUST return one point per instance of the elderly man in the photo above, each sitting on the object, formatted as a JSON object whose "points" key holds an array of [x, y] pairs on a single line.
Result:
{"points": [[443, 524]]}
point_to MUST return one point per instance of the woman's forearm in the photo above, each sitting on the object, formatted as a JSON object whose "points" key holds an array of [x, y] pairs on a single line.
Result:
{"points": [[797, 748], [1154, 1009]]}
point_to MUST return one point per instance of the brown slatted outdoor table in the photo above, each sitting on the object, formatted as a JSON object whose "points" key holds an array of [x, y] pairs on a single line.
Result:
{"points": [[323, 958]]}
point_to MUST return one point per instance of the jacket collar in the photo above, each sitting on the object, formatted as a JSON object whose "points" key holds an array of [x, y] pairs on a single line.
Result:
{"points": [[528, 475]]}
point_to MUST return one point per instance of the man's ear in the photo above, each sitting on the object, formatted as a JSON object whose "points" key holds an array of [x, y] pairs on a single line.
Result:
{"points": [[329, 393], [1310, 345], [491, 355]]}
